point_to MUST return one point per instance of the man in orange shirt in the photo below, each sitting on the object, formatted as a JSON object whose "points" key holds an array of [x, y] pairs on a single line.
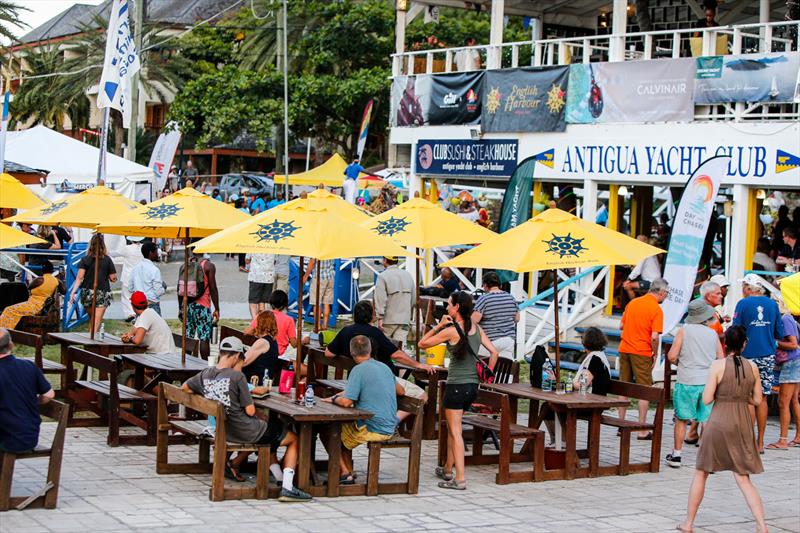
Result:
{"points": [[642, 324]]}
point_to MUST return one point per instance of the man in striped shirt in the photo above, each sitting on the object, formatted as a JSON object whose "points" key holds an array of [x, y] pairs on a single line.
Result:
{"points": [[497, 313]]}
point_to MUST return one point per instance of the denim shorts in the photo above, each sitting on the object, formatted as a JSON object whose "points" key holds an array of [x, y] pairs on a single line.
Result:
{"points": [[790, 372]]}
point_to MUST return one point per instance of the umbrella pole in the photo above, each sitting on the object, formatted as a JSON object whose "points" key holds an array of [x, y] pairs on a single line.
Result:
{"points": [[299, 358], [185, 303], [417, 310], [555, 326], [316, 307], [92, 326]]}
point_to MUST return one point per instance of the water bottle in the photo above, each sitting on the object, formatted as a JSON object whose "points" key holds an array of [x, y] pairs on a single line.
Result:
{"points": [[266, 378], [102, 331], [309, 399], [546, 385], [584, 384]]}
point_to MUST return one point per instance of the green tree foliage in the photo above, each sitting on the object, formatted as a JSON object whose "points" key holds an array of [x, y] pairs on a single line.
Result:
{"points": [[9, 16]]}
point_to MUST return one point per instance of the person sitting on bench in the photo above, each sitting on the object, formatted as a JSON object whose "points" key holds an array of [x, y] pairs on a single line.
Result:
{"points": [[643, 274], [150, 328], [243, 425], [22, 387], [41, 288]]}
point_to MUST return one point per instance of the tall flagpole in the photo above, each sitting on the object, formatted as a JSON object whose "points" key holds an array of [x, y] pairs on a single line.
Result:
{"points": [[6, 90], [285, 102]]}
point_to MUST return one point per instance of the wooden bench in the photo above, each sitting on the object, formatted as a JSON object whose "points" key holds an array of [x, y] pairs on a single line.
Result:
{"points": [[626, 427], [192, 345], [414, 444], [502, 425], [23, 338], [319, 365], [104, 398], [227, 331], [199, 431], [47, 321], [505, 370], [47, 497]]}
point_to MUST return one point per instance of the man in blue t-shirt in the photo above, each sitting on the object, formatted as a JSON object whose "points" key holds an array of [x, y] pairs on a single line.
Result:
{"points": [[22, 388], [760, 316], [370, 386], [259, 205], [350, 184], [275, 202]]}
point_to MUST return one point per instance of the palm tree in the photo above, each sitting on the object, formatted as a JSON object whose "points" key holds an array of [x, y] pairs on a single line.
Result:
{"points": [[9, 16]]}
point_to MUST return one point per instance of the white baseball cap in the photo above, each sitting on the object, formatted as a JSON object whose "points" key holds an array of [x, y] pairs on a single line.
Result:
{"points": [[720, 280], [753, 280]]}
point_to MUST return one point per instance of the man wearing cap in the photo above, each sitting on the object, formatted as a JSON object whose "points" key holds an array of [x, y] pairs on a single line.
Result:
{"points": [[150, 329], [695, 347], [394, 300], [760, 316], [228, 386], [146, 277], [350, 184]]}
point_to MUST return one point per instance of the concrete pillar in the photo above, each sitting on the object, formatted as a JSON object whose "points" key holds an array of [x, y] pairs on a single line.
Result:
{"points": [[619, 23], [493, 57], [763, 18], [589, 200], [740, 260]]}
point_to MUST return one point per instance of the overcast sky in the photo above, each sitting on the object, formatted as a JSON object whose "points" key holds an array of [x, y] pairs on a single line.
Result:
{"points": [[43, 10]]}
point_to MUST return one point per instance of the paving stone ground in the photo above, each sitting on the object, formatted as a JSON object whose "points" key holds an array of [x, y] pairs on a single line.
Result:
{"points": [[116, 489]]}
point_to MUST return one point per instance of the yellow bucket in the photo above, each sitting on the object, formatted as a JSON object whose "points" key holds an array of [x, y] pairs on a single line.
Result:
{"points": [[436, 355]]}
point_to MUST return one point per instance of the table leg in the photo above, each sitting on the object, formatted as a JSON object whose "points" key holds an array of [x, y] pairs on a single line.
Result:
{"points": [[571, 459], [304, 460], [138, 383], [334, 454], [429, 428], [594, 443]]}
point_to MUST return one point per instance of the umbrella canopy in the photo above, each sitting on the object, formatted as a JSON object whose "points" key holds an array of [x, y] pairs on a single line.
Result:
{"points": [[790, 292], [303, 228], [338, 205], [172, 216], [330, 173], [555, 239], [14, 238], [14, 194], [422, 224], [85, 210]]}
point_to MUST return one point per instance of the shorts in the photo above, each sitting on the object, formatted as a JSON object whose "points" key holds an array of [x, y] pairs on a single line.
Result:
{"points": [[104, 298], [790, 372], [281, 283], [459, 396], [199, 322], [410, 389], [636, 368], [688, 402], [273, 435], [397, 332], [354, 435], [258, 293], [766, 367], [325, 291], [504, 346]]}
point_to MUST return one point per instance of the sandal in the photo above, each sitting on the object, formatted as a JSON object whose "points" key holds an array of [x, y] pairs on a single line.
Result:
{"points": [[347, 479], [692, 441], [649, 436], [794, 443], [440, 473], [776, 445], [453, 484], [233, 474]]}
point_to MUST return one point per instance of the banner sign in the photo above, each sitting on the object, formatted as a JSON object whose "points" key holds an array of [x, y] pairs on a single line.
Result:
{"points": [[525, 99], [516, 207], [362, 132], [164, 153], [762, 154], [495, 158], [411, 96], [631, 91], [121, 62], [456, 98], [748, 78], [688, 235]]}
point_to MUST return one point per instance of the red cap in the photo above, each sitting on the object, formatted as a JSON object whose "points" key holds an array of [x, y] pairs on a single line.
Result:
{"points": [[139, 300]]}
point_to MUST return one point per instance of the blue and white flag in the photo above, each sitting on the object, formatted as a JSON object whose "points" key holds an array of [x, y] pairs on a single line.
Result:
{"points": [[4, 128], [121, 62]]}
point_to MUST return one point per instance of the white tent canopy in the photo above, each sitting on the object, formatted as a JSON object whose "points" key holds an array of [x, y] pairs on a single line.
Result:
{"points": [[75, 162]]}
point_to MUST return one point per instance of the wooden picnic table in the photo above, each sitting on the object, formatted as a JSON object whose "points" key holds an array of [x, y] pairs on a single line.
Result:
{"points": [[109, 344], [567, 405], [166, 367], [430, 424], [332, 416]]}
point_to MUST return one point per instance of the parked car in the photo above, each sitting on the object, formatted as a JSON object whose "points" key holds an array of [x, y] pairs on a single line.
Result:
{"points": [[231, 184]]}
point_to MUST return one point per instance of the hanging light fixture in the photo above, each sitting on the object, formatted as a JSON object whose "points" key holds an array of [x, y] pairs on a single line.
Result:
{"points": [[761, 194], [622, 191]]}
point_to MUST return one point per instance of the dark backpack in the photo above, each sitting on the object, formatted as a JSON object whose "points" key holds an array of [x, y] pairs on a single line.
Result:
{"points": [[196, 281], [537, 362]]}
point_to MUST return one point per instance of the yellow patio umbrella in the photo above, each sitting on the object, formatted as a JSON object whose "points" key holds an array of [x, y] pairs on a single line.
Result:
{"points": [[14, 194], [423, 224], [303, 228], [183, 214], [551, 240], [84, 210], [339, 205], [790, 292], [14, 238]]}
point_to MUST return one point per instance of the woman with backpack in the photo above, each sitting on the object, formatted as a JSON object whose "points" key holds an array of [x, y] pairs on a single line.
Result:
{"points": [[464, 339], [106, 274]]}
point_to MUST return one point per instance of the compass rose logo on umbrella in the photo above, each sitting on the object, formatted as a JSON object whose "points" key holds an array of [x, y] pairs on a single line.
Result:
{"points": [[162, 211], [565, 245], [391, 226], [52, 208], [275, 231]]}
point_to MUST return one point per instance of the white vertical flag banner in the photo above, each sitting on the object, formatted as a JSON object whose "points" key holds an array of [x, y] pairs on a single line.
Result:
{"points": [[164, 153], [121, 62], [689, 230]]}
